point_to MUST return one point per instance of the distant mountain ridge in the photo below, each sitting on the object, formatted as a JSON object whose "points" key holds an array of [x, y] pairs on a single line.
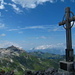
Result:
{"points": [[53, 49], [60, 51]]}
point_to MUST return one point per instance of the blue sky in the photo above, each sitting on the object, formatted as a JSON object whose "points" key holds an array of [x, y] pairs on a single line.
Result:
{"points": [[33, 23]]}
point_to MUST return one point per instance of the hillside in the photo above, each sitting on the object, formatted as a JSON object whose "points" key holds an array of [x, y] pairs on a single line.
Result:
{"points": [[13, 58]]}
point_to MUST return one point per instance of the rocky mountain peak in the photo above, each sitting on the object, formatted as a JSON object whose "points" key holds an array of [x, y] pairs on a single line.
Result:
{"points": [[12, 47], [12, 50]]}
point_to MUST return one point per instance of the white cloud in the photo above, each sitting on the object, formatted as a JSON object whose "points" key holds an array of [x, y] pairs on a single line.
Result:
{"points": [[31, 3], [2, 25], [73, 23], [51, 27], [20, 32], [2, 4], [56, 29], [59, 45], [62, 0], [19, 29], [12, 29], [47, 28], [34, 27], [24, 4], [17, 9], [52, 1], [3, 34], [42, 37], [30, 27], [73, 0]]}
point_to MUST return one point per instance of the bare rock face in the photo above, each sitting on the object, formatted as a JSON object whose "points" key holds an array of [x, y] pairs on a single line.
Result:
{"points": [[49, 71]]}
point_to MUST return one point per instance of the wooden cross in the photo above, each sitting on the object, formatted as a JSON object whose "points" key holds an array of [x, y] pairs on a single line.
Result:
{"points": [[68, 26]]}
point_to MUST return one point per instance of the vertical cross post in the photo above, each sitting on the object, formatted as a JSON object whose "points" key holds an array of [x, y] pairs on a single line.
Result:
{"points": [[69, 50], [67, 22]]}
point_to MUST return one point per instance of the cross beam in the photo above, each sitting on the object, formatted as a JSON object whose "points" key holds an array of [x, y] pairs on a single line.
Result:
{"points": [[67, 22], [64, 22]]}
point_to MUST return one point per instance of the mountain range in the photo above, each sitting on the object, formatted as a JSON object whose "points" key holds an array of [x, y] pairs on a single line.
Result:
{"points": [[53, 49], [14, 58], [60, 51]]}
